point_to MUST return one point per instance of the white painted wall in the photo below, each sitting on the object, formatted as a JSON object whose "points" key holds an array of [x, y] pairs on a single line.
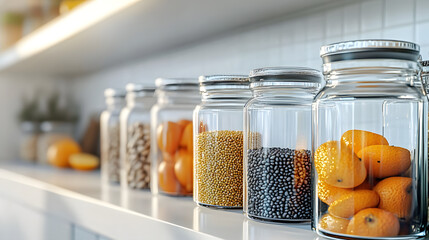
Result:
{"points": [[294, 40]]}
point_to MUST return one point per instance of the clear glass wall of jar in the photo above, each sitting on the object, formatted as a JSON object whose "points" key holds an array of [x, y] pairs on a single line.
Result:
{"points": [[218, 131], [171, 134], [278, 142], [110, 136], [52, 132], [135, 136], [370, 142]]}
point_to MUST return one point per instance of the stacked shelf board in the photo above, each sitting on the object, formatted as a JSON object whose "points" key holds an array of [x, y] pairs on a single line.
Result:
{"points": [[79, 198], [105, 33]]}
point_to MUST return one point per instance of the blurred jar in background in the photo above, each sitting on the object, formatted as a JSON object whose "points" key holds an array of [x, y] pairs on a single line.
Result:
{"points": [[10, 29], [28, 141], [52, 132], [110, 135]]}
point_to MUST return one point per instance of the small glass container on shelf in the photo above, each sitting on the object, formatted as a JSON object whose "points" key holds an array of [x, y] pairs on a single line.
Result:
{"points": [[52, 132], [28, 140], [218, 131], [277, 144], [171, 136], [135, 136], [110, 136], [370, 142]]}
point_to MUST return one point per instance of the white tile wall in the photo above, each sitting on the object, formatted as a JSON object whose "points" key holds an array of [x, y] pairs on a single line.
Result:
{"points": [[291, 41]]}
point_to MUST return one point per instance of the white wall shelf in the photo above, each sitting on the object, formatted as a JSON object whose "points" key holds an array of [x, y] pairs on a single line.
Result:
{"points": [[77, 197], [106, 33]]}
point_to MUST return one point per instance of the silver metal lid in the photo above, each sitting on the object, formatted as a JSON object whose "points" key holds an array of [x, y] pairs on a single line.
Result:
{"points": [[370, 49], [286, 74], [135, 87], [114, 92]]}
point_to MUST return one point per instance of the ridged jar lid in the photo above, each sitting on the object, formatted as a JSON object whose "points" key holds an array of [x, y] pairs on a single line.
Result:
{"points": [[285, 74], [220, 82], [114, 92], [370, 49]]}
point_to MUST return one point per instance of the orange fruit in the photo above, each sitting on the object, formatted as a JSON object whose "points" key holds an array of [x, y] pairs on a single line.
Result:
{"points": [[395, 195], [183, 168], [187, 138], [333, 224], [349, 204], [202, 127], [83, 161], [168, 157], [184, 122], [328, 193], [168, 136], [338, 166], [358, 139], [167, 178], [368, 184], [59, 152], [384, 161], [374, 222]]}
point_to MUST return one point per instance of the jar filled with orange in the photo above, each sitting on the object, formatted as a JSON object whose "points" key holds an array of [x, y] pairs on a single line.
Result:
{"points": [[370, 142], [218, 131], [172, 136]]}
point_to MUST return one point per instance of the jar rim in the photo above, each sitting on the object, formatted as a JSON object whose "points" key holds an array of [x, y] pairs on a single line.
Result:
{"points": [[166, 82], [286, 75], [370, 49]]}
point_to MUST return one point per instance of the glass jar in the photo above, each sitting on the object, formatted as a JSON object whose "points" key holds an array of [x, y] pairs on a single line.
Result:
{"points": [[171, 134], [278, 142], [110, 136], [135, 136], [28, 140], [218, 131], [370, 142], [52, 132]]}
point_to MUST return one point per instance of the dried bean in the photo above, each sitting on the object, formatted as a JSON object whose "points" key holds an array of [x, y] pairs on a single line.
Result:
{"points": [[137, 160]]}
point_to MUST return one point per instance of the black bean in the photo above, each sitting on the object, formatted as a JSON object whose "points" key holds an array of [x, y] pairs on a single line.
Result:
{"points": [[279, 184]]}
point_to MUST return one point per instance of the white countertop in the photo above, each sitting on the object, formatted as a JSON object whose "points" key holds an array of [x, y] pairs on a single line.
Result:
{"points": [[79, 197]]}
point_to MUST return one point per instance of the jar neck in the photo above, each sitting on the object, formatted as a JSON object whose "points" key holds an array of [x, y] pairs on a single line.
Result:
{"points": [[115, 104], [283, 92], [239, 96], [138, 101], [377, 71], [177, 97]]}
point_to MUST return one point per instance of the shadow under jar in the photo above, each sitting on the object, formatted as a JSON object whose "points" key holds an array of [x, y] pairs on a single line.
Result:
{"points": [[171, 134], [370, 142], [135, 136], [218, 131], [277, 144]]}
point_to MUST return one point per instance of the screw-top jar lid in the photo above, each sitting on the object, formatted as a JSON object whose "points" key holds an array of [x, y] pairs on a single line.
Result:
{"points": [[220, 82], [285, 76], [114, 92], [370, 49], [135, 87]]}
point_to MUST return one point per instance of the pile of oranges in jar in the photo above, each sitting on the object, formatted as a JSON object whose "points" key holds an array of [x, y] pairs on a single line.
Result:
{"points": [[366, 185], [175, 170]]}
